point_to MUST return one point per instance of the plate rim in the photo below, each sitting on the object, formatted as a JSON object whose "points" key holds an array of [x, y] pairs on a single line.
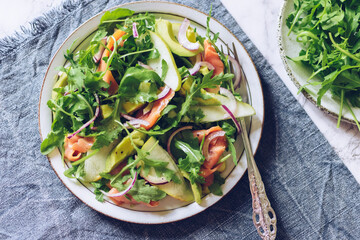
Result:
{"points": [[289, 72], [149, 2]]}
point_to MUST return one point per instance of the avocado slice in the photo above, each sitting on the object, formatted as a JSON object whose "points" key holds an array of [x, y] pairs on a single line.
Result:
{"points": [[130, 107], [180, 191], [190, 33], [123, 150], [61, 82], [196, 188], [172, 78], [207, 99], [106, 110], [165, 29]]}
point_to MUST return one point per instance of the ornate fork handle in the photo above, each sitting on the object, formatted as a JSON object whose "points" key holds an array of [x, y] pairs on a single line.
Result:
{"points": [[264, 217]]}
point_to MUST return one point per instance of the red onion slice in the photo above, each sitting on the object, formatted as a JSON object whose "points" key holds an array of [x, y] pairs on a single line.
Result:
{"points": [[122, 193], [238, 71], [99, 53], [91, 120], [200, 63], [208, 140], [183, 39], [134, 126], [127, 117], [164, 92], [134, 29], [145, 66], [237, 124], [232, 102], [197, 66], [68, 64], [173, 135], [137, 123], [67, 93]]}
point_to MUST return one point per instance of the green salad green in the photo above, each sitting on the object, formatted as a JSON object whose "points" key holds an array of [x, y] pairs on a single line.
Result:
{"points": [[131, 117], [329, 33]]}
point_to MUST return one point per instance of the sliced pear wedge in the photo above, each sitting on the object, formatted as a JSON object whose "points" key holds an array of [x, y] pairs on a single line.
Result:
{"points": [[173, 78], [180, 191], [217, 113]]}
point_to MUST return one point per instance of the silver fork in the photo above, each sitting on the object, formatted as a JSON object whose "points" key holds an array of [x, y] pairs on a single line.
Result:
{"points": [[264, 217]]}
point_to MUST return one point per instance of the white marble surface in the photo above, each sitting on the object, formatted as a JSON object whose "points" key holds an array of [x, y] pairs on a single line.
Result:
{"points": [[16, 13], [258, 19]]}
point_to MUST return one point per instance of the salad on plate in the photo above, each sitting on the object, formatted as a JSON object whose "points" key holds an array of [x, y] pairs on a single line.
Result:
{"points": [[147, 110], [328, 33]]}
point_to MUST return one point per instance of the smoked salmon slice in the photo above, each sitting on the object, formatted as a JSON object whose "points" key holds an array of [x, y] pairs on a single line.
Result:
{"points": [[200, 134], [77, 145], [206, 172], [215, 152], [216, 148], [108, 77], [156, 110], [212, 57]]}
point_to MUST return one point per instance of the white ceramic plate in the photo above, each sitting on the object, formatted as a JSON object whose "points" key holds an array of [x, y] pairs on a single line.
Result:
{"points": [[300, 73], [169, 209]]}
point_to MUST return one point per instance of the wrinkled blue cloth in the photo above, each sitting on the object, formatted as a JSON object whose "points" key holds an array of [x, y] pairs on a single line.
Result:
{"points": [[312, 192]]}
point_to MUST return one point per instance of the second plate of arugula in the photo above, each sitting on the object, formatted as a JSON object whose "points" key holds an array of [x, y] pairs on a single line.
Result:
{"points": [[320, 47], [144, 112]]}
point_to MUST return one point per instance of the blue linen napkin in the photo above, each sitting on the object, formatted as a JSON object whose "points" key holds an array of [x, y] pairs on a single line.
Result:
{"points": [[312, 192]]}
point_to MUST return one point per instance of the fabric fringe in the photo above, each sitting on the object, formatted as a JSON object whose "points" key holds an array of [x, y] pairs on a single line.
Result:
{"points": [[38, 26]]}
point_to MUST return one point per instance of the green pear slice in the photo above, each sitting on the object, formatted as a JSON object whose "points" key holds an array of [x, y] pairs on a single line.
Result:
{"points": [[217, 113], [180, 191], [173, 78]]}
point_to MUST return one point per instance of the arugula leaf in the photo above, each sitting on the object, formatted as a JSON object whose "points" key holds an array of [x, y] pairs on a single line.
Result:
{"points": [[160, 169], [116, 14], [144, 22], [164, 67], [99, 35], [167, 109], [141, 191], [109, 19], [228, 128], [192, 162], [100, 185], [230, 131], [139, 85], [52, 140], [215, 188], [154, 54], [76, 171], [232, 148], [208, 23], [195, 115], [109, 129], [329, 34]]}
